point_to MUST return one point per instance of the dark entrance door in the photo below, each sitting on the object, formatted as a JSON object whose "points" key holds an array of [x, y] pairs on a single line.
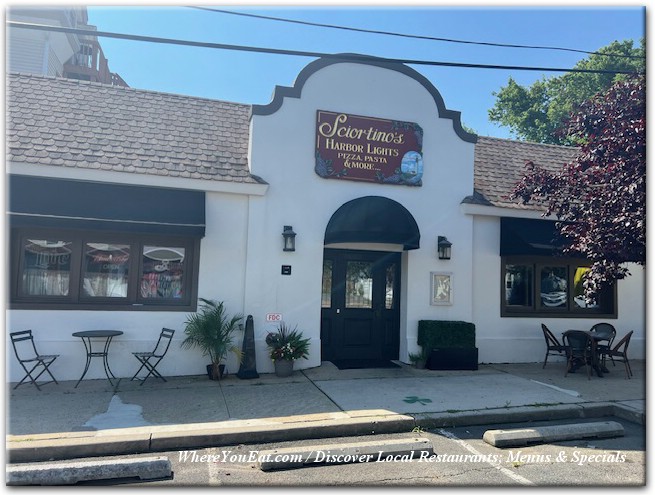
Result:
{"points": [[360, 314]]}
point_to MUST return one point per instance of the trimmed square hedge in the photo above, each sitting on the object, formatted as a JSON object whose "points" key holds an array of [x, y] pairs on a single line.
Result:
{"points": [[440, 334]]}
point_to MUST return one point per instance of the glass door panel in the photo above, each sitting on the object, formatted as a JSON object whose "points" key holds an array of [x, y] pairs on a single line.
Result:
{"points": [[359, 285]]}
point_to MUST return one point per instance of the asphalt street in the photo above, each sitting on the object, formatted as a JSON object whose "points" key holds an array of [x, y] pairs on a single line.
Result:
{"points": [[460, 458]]}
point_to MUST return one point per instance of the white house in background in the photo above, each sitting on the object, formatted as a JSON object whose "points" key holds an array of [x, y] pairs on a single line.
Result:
{"points": [[51, 53], [126, 205]]}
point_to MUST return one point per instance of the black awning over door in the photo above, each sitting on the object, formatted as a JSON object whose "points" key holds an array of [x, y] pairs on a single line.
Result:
{"points": [[73, 204], [373, 219]]}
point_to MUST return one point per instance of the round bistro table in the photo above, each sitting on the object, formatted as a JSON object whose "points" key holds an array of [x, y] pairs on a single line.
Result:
{"points": [[595, 337], [107, 336]]}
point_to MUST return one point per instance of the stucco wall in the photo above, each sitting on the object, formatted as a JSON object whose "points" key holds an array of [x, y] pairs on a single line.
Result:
{"points": [[520, 340], [282, 152], [222, 261]]}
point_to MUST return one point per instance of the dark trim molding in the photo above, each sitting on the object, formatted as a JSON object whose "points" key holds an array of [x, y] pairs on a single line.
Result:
{"points": [[282, 92]]}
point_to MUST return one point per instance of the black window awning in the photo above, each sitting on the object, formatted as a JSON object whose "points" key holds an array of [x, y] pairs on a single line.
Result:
{"points": [[72, 204], [373, 219], [523, 236]]}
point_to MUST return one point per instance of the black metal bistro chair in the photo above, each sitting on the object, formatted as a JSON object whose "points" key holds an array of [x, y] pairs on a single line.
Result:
{"points": [[609, 332], [30, 359], [579, 348], [620, 353], [553, 346], [150, 360]]}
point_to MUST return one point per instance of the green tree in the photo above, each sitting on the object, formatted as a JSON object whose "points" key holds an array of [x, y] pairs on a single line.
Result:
{"points": [[600, 197], [537, 113]]}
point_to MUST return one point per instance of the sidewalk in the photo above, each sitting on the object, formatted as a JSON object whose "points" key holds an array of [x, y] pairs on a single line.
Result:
{"points": [[62, 422]]}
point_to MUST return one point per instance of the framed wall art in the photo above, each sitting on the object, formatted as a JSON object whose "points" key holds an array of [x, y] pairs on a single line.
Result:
{"points": [[441, 288]]}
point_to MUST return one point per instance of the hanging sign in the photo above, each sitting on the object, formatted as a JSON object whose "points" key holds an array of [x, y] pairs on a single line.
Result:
{"points": [[368, 149]]}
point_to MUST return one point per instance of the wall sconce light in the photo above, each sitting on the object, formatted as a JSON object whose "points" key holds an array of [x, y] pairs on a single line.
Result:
{"points": [[289, 238], [443, 247]]}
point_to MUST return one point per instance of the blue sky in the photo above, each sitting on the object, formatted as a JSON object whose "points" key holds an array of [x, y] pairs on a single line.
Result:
{"points": [[251, 78]]}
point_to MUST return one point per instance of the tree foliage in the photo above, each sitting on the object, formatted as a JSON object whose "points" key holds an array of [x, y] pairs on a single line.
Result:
{"points": [[602, 193], [537, 112]]}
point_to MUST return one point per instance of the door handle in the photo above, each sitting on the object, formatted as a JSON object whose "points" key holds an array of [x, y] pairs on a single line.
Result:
{"points": [[338, 310]]}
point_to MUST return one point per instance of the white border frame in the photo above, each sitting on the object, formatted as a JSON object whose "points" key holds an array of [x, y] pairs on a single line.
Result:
{"points": [[445, 280]]}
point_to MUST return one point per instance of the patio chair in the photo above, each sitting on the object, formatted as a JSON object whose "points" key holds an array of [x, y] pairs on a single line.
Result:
{"points": [[620, 353], [150, 360], [29, 357], [552, 344], [578, 346], [607, 330]]}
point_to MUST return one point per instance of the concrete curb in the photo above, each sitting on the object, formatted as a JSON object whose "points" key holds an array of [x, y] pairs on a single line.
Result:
{"points": [[520, 437], [529, 413], [70, 473], [139, 440], [630, 414]]}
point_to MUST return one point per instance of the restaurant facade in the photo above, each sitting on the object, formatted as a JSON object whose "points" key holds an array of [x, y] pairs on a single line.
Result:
{"points": [[352, 206]]}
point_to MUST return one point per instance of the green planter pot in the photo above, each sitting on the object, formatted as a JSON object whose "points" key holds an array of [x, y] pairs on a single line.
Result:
{"points": [[453, 359], [283, 367]]}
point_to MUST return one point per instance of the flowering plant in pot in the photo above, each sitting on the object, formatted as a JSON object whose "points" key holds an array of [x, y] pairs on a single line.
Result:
{"points": [[212, 330], [285, 346]]}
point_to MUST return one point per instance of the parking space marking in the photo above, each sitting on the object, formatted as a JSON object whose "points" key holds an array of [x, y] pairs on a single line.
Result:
{"points": [[572, 393], [473, 450]]}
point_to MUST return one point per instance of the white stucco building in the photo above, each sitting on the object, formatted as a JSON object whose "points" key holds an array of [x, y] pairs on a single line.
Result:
{"points": [[53, 53], [361, 158]]}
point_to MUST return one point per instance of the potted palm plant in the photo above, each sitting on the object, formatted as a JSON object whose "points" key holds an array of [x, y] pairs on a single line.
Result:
{"points": [[419, 359], [285, 346], [212, 330]]}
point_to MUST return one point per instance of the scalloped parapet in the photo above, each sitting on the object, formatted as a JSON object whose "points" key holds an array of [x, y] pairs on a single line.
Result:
{"points": [[282, 92]]}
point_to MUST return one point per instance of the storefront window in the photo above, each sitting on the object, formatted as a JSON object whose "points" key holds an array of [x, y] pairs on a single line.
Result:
{"points": [[518, 285], [553, 281], [106, 269], [540, 286], [578, 289], [46, 267], [162, 276], [74, 269]]}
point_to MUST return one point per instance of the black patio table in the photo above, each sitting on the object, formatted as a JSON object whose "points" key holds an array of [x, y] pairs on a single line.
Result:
{"points": [[595, 355], [87, 337]]}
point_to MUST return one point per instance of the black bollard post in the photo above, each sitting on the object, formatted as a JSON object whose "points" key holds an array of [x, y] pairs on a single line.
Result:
{"points": [[248, 368]]}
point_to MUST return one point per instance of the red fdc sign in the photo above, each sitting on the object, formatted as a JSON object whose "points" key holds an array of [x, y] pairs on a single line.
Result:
{"points": [[368, 149], [274, 317]]}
